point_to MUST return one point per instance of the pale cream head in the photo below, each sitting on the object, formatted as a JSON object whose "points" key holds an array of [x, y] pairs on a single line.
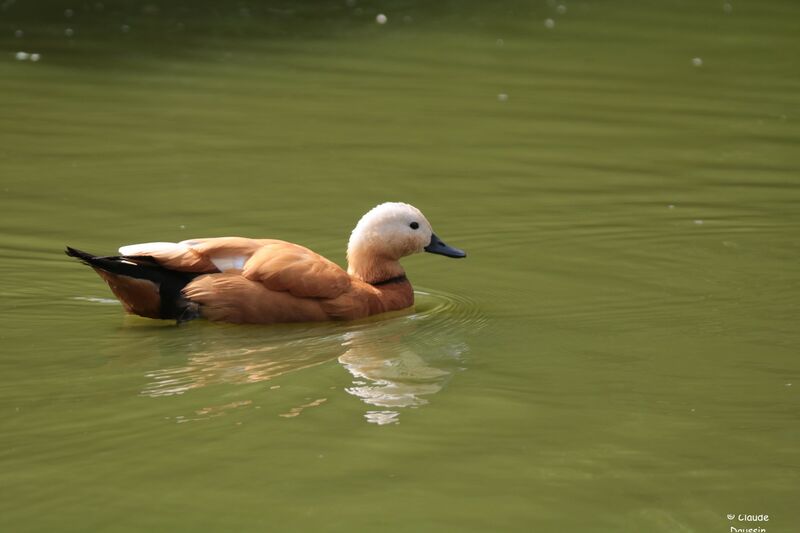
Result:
{"points": [[386, 233], [391, 230]]}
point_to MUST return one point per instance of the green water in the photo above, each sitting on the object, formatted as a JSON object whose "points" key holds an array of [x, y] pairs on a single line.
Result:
{"points": [[618, 353]]}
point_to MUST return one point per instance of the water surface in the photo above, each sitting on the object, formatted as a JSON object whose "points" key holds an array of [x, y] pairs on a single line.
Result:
{"points": [[617, 353]]}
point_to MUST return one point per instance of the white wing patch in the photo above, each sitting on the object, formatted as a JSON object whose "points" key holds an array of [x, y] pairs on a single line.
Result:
{"points": [[222, 262], [235, 262], [146, 248]]}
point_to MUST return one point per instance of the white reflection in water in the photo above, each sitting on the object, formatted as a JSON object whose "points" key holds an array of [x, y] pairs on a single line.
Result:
{"points": [[396, 375], [401, 381]]}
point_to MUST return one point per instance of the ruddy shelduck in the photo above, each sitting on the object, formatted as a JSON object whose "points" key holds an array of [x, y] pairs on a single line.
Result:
{"points": [[237, 279]]}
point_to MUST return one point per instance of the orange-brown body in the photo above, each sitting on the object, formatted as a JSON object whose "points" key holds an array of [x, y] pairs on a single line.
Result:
{"points": [[138, 296], [279, 282], [231, 297]]}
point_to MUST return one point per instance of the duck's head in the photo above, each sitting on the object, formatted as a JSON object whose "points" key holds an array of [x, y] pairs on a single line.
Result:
{"points": [[387, 233]]}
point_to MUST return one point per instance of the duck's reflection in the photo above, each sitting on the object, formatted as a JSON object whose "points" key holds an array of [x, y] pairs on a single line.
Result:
{"points": [[393, 375], [397, 363], [216, 364]]}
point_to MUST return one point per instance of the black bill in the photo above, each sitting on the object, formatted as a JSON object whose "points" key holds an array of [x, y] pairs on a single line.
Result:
{"points": [[436, 246]]}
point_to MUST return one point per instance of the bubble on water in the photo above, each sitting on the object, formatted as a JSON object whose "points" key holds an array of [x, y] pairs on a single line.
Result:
{"points": [[35, 57], [22, 56], [697, 62], [69, 32], [671, 206], [788, 384], [125, 28], [68, 13], [698, 222], [182, 226], [19, 33], [561, 9], [727, 7], [381, 18], [500, 42], [502, 97], [549, 24]]}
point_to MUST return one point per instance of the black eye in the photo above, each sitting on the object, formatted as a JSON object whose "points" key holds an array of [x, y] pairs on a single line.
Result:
{"points": [[414, 225]]}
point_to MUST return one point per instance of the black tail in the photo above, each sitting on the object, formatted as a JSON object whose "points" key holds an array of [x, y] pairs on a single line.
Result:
{"points": [[169, 283]]}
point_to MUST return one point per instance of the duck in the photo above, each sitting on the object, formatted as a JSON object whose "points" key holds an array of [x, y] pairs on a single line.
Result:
{"points": [[263, 281]]}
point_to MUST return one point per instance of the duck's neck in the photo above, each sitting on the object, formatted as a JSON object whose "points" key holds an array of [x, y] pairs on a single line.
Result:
{"points": [[371, 268]]}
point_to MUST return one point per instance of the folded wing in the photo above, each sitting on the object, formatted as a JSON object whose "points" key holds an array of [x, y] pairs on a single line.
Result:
{"points": [[283, 266], [278, 265]]}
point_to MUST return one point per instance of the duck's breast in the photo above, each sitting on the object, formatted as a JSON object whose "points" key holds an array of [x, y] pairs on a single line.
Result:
{"points": [[363, 300]]}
